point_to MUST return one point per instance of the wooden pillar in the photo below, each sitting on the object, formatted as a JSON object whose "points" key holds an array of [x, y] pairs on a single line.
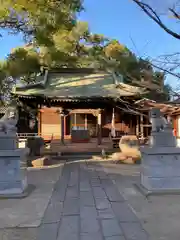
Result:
{"points": [[175, 125], [137, 125], [65, 126], [99, 125], [39, 120], [131, 124], [86, 126], [147, 128], [75, 120], [61, 113], [141, 126]]}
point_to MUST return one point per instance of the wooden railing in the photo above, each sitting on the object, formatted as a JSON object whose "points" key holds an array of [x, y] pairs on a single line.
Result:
{"points": [[28, 135]]}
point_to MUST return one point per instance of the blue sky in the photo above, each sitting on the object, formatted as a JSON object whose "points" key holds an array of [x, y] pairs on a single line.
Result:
{"points": [[122, 20]]}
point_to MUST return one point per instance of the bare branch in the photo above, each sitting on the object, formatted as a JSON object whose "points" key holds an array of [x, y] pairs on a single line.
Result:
{"points": [[175, 14], [154, 16]]}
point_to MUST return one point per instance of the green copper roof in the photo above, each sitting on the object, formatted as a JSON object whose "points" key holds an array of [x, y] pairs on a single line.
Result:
{"points": [[80, 85]]}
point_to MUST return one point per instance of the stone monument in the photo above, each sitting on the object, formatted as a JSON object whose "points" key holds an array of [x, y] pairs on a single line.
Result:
{"points": [[13, 179], [160, 168]]}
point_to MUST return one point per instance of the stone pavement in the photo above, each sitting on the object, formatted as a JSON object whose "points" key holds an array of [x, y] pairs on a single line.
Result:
{"points": [[91, 200], [20, 218], [86, 205], [160, 215], [29, 211]]}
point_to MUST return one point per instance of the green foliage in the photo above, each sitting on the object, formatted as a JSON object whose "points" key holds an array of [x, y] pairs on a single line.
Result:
{"points": [[6, 81], [22, 62], [2, 71], [40, 21], [38, 18]]}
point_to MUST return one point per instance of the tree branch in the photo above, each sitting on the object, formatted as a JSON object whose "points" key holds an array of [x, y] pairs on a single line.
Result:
{"points": [[175, 14], [154, 16]]}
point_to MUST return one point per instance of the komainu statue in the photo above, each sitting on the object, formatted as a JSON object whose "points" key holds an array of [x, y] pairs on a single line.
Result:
{"points": [[158, 121], [9, 120]]}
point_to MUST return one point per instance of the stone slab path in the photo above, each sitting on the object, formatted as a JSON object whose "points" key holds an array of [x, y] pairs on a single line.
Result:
{"points": [[28, 212], [86, 205], [160, 215]]}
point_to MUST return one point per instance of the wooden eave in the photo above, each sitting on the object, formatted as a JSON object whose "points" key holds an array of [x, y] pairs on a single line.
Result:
{"points": [[165, 108]]}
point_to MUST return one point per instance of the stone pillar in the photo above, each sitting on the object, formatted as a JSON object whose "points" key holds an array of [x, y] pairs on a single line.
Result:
{"points": [[99, 120]]}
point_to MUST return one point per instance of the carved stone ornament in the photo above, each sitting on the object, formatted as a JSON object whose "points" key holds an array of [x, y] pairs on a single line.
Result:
{"points": [[9, 120], [158, 121]]}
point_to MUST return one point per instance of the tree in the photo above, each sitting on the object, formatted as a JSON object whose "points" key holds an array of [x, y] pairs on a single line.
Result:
{"points": [[71, 48], [6, 82], [38, 19], [117, 58]]}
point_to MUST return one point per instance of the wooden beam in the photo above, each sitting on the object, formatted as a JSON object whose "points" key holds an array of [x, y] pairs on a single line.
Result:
{"points": [[94, 112]]}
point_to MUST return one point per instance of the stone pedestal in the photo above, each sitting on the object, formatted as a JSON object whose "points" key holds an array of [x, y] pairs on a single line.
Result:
{"points": [[8, 142], [163, 139], [13, 177], [160, 170]]}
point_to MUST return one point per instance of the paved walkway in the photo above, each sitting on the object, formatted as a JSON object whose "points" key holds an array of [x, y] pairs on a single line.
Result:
{"points": [[86, 205], [160, 215], [28, 212]]}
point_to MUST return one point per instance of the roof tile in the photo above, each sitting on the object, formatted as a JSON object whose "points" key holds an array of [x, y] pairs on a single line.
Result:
{"points": [[80, 85]]}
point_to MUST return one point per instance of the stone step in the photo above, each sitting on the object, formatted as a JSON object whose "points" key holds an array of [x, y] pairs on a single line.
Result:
{"points": [[75, 157], [79, 155]]}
